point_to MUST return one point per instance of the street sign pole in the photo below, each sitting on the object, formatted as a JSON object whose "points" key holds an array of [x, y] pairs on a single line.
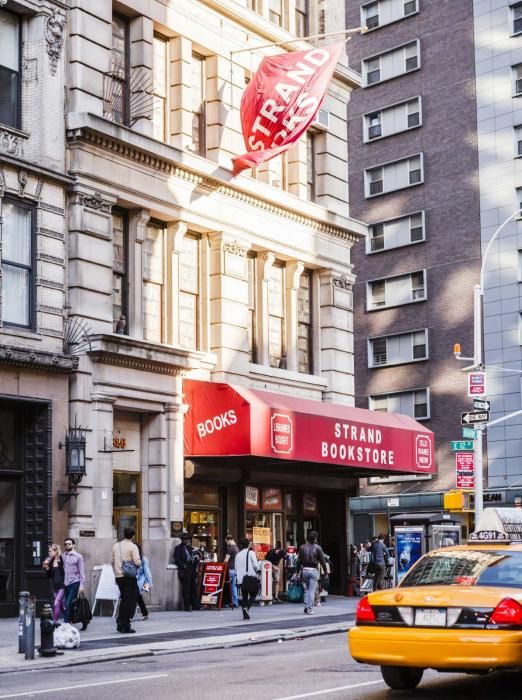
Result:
{"points": [[479, 481]]}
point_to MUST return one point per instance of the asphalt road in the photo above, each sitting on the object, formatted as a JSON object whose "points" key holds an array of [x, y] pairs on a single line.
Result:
{"points": [[317, 667]]}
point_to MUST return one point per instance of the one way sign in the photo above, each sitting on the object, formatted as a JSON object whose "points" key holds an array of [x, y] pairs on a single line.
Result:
{"points": [[474, 417]]}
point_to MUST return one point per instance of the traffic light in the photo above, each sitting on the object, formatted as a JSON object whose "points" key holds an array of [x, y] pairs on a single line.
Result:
{"points": [[455, 500]]}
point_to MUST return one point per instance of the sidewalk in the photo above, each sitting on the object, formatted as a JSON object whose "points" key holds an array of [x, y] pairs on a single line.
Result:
{"points": [[171, 632]]}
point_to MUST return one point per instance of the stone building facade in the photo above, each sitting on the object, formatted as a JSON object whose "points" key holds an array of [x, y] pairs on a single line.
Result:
{"points": [[178, 269], [35, 357]]}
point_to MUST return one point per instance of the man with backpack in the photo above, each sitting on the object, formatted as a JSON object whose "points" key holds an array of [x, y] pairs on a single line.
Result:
{"points": [[379, 559], [125, 564]]}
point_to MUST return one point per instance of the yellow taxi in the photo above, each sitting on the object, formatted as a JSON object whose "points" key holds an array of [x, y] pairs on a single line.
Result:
{"points": [[458, 609]]}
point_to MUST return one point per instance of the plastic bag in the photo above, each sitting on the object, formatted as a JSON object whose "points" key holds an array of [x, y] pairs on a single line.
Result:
{"points": [[66, 637]]}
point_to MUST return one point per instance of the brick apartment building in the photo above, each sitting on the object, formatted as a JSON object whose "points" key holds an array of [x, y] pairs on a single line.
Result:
{"points": [[413, 176]]}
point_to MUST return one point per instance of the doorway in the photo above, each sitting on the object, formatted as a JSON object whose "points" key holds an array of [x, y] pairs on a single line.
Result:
{"points": [[9, 545], [126, 512]]}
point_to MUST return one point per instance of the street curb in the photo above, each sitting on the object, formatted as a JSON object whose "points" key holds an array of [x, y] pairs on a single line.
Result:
{"points": [[216, 642]]}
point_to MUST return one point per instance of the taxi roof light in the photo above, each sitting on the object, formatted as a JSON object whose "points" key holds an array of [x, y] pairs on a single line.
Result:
{"points": [[364, 612], [507, 612]]}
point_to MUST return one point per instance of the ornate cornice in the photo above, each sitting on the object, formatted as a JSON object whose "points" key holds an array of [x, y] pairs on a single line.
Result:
{"points": [[235, 248], [137, 363], [37, 359], [170, 168], [54, 36]]}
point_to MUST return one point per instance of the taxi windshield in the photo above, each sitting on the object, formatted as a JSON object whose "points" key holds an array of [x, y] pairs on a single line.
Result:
{"points": [[469, 567]]}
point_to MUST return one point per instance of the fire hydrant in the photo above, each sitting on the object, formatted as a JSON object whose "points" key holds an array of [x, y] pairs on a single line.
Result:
{"points": [[46, 647]]}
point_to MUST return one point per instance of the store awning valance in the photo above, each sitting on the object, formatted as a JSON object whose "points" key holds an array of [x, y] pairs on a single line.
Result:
{"points": [[225, 420]]}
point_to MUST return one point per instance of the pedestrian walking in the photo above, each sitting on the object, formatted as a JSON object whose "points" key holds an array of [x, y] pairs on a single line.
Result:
{"points": [[53, 567], [125, 564], [74, 576], [144, 583], [230, 558], [275, 556], [246, 570], [309, 557], [186, 559], [380, 561]]}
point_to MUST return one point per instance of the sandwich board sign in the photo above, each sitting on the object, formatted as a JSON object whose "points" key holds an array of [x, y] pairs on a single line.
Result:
{"points": [[107, 588]]}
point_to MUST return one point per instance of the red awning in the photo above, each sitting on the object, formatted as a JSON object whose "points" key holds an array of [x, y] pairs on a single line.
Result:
{"points": [[231, 420]]}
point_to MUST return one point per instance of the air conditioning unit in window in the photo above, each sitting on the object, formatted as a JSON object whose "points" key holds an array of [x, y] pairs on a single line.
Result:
{"points": [[322, 120]]}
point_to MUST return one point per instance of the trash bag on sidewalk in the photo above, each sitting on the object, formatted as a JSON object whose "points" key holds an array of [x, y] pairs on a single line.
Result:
{"points": [[81, 611], [66, 637]]}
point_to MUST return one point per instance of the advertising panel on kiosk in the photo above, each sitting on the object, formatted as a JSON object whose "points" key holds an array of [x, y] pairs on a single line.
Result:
{"points": [[445, 536], [409, 548]]}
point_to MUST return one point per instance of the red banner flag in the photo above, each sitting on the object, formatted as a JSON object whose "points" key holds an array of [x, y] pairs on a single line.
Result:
{"points": [[281, 101]]}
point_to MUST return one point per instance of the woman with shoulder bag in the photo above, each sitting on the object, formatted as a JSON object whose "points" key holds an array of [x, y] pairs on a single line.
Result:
{"points": [[53, 567], [246, 575]]}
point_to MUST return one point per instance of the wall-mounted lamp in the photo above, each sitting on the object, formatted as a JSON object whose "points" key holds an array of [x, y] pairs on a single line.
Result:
{"points": [[74, 461]]}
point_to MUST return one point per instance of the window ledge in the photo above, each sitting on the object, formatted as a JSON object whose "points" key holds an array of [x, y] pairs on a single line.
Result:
{"points": [[393, 21], [395, 247], [21, 333], [398, 364], [394, 306], [365, 86], [288, 376], [395, 133], [395, 189]]}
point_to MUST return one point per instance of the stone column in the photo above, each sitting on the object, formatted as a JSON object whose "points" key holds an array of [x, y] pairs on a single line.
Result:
{"points": [[93, 508], [228, 302], [264, 263], [180, 59], [174, 413], [175, 234], [157, 478], [140, 99], [293, 273], [336, 314], [138, 221]]}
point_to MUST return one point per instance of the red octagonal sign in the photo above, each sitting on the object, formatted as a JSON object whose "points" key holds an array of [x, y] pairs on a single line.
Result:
{"points": [[282, 437]]}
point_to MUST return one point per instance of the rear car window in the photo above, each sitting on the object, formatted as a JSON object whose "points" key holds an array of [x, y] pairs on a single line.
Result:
{"points": [[467, 567]]}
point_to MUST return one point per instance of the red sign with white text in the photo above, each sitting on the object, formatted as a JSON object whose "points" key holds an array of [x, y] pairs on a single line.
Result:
{"points": [[213, 583], [477, 384], [227, 420], [281, 101], [465, 467]]}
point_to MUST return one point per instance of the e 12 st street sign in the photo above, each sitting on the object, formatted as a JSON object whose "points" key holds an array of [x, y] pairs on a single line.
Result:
{"points": [[458, 445], [477, 384], [474, 417], [465, 469]]}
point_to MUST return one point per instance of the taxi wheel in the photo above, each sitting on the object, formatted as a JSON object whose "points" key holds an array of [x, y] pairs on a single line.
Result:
{"points": [[401, 677]]}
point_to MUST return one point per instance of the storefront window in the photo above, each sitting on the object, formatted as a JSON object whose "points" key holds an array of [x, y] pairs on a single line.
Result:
{"points": [[202, 518], [264, 530], [7, 541], [7, 440]]}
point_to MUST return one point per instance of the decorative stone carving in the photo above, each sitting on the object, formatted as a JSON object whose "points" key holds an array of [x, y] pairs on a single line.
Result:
{"points": [[342, 282], [54, 36], [235, 248], [95, 201], [22, 182], [3, 2], [11, 143], [268, 261]]}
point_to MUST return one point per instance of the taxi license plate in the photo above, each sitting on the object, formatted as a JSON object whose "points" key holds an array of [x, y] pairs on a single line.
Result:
{"points": [[430, 617]]}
